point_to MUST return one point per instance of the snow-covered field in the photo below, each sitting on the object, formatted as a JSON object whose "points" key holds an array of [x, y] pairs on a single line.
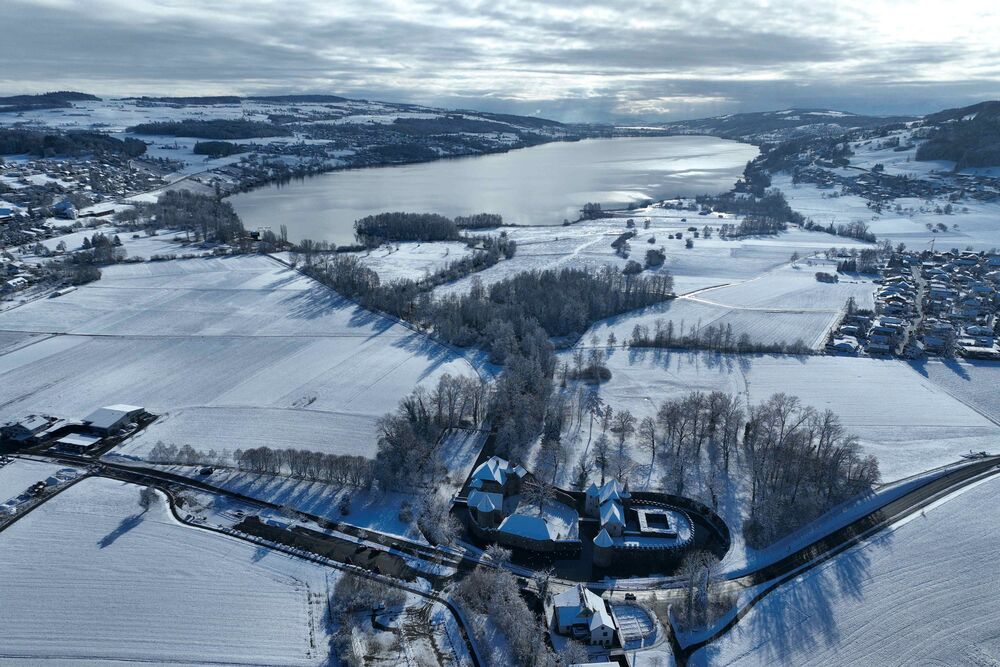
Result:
{"points": [[91, 578], [907, 421], [711, 262], [976, 228], [413, 261], [234, 352], [922, 593], [783, 305]]}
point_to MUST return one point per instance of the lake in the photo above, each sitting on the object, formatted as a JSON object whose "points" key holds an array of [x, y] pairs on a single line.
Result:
{"points": [[542, 185]]}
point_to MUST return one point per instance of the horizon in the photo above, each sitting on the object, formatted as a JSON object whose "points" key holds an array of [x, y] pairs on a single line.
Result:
{"points": [[533, 59]]}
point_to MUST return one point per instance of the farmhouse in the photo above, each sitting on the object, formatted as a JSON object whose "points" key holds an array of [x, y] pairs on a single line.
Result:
{"points": [[112, 418], [583, 615], [24, 429]]}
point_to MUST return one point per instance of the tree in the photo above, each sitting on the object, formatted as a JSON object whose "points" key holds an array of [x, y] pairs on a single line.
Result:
{"points": [[624, 425], [536, 492], [147, 496], [602, 451], [647, 438], [497, 555]]}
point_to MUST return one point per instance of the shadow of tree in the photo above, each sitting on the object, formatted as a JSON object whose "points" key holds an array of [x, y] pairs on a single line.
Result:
{"points": [[789, 620], [127, 524]]}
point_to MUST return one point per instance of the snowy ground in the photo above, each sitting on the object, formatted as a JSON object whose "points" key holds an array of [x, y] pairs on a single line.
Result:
{"points": [[909, 422], [976, 228], [233, 352], [922, 593], [783, 305], [90, 578], [711, 262], [17, 475], [412, 261], [367, 509]]}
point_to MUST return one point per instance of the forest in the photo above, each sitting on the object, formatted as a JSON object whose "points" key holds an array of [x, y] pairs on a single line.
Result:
{"points": [[968, 142], [52, 144], [212, 129]]}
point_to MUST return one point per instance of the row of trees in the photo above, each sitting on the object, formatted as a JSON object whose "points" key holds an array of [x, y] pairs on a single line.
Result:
{"points": [[344, 469], [714, 337], [373, 230], [856, 229]]}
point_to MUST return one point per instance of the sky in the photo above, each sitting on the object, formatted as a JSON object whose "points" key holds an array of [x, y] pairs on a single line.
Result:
{"points": [[619, 60]]}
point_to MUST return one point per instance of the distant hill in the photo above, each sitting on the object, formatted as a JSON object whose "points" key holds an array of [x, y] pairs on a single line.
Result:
{"points": [[60, 99], [968, 136], [771, 126], [208, 100]]}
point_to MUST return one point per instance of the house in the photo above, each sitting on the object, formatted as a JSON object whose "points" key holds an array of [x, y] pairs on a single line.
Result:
{"points": [[112, 418], [607, 503], [583, 615], [65, 209], [25, 429]]}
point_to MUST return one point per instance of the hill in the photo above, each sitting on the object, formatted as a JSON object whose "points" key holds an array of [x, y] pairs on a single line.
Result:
{"points": [[56, 100], [968, 136], [771, 126]]}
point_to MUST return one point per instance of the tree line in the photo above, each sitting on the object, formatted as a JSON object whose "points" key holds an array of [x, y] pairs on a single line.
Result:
{"points": [[714, 337], [216, 128]]}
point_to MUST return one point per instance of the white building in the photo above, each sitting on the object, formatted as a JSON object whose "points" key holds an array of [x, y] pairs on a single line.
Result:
{"points": [[112, 418], [583, 615]]}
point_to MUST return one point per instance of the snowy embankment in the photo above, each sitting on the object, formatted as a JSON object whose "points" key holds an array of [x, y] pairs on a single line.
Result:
{"points": [[933, 572], [92, 576], [234, 352]]}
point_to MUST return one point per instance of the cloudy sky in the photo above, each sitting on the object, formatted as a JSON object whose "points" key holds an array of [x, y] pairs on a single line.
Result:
{"points": [[626, 60]]}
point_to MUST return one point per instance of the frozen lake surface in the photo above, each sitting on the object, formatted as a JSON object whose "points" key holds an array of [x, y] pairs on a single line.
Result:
{"points": [[542, 185]]}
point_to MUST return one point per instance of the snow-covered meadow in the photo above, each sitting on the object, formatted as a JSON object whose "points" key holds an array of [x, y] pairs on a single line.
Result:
{"points": [[233, 353], [909, 422], [91, 578], [923, 592]]}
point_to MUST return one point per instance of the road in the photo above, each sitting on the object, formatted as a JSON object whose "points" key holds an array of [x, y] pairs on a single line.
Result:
{"points": [[770, 575]]}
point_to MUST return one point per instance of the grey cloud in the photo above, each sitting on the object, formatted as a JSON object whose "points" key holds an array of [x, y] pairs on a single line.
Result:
{"points": [[596, 62]]}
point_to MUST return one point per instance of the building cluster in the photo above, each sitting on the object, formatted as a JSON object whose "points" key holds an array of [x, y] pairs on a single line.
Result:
{"points": [[930, 303], [618, 525], [960, 303], [73, 436]]}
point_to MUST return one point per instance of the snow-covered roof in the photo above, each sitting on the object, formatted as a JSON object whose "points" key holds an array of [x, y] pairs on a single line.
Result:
{"points": [[580, 606], [79, 440], [523, 525], [614, 490], [603, 539], [485, 502], [593, 491], [496, 470], [612, 513], [110, 415]]}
